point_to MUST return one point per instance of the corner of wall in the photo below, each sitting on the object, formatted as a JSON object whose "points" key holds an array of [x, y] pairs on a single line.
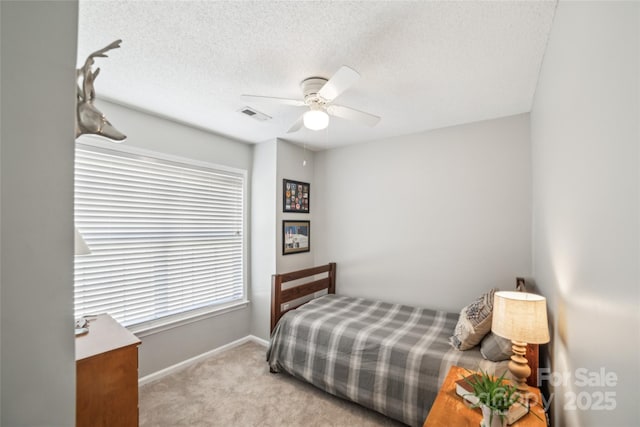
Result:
{"points": [[263, 234]]}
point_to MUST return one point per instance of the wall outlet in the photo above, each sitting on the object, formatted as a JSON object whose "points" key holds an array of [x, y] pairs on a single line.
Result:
{"points": [[285, 306]]}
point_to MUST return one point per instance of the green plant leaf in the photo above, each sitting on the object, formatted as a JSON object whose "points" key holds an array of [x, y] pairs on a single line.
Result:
{"points": [[494, 393]]}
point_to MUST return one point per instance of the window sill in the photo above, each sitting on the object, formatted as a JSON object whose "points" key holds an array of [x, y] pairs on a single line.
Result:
{"points": [[178, 320]]}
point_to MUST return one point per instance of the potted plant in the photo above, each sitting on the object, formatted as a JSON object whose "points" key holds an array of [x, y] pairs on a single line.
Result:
{"points": [[494, 398]]}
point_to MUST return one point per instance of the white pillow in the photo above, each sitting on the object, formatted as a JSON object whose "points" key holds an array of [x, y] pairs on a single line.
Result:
{"points": [[474, 322]]}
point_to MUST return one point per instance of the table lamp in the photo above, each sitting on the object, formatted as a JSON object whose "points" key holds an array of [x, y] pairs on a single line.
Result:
{"points": [[80, 246], [522, 318]]}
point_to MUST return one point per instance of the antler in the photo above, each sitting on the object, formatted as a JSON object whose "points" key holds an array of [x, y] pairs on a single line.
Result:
{"points": [[87, 92], [89, 120], [101, 52]]}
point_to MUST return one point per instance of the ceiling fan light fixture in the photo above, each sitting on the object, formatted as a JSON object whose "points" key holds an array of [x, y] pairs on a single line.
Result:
{"points": [[315, 119]]}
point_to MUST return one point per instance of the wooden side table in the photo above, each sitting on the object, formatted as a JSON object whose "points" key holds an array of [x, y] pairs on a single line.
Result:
{"points": [[449, 409], [107, 375]]}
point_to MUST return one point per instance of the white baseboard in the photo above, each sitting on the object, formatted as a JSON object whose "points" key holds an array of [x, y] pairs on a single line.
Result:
{"points": [[257, 340], [185, 363]]}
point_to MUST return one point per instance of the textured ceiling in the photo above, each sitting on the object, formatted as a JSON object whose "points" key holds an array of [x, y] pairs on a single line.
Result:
{"points": [[423, 65]]}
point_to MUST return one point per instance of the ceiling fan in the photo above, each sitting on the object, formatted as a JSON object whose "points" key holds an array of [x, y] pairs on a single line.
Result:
{"points": [[319, 94]]}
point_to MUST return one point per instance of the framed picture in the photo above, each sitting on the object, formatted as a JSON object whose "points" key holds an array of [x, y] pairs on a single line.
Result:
{"points": [[296, 196], [296, 237]]}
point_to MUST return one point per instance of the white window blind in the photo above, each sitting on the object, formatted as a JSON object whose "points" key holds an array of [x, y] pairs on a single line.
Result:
{"points": [[166, 237]]}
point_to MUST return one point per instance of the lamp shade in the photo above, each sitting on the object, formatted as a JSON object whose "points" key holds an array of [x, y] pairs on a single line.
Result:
{"points": [[520, 316], [80, 246], [315, 119]]}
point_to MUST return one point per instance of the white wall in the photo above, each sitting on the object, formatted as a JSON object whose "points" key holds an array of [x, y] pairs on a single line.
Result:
{"points": [[155, 133], [263, 234], [0, 238], [585, 138], [431, 219], [38, 44], [290, 166], [274, 161], [149, 132]]}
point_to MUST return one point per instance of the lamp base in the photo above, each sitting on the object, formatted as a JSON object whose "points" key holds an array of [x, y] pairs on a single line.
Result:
{"points": [[519, 366]]}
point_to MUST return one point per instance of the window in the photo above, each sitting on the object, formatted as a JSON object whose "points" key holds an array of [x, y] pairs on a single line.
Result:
{"points": [[166, 236]]}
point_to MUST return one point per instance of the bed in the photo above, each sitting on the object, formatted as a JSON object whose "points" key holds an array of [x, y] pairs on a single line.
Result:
{"points": [[387, 357]]}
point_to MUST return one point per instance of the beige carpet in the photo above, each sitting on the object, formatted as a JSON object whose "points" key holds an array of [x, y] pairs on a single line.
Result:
{"points": [[235, 388]]}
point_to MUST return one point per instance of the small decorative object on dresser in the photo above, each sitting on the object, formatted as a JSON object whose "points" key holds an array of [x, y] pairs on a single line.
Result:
{"points": [[296, 196]]}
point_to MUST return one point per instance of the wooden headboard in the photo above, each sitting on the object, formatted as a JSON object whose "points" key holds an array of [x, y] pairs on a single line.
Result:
{"points": [[279, 296]]}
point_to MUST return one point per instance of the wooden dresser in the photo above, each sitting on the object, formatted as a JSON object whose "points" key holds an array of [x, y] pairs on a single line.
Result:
{"points": [[106, 375]]}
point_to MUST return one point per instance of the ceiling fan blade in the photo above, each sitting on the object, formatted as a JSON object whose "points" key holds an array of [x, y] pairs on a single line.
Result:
{"points": [[296, 126], [353, 114], [285, 101], [342, 80]]}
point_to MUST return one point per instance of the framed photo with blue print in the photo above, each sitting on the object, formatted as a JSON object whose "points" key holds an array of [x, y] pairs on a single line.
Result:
{"points": [[296, 196], [296, 237]]}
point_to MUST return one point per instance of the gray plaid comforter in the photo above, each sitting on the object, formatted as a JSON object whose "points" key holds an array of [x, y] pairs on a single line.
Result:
{"points": [[390, 358]]}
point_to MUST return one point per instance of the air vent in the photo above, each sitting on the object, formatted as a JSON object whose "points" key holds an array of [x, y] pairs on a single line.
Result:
{"points": [[254, 114]]}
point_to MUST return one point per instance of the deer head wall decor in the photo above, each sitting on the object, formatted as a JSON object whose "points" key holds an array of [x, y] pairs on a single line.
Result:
{"points": [[89, 120]]}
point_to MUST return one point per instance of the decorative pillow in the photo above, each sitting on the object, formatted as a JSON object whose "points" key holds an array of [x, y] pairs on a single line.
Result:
{"points": [[474, 322], [495, 348]]}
